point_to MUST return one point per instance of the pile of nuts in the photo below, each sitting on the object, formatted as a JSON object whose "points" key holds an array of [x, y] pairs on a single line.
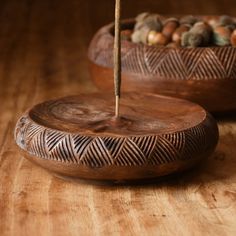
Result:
{"points": [[187, 31]]}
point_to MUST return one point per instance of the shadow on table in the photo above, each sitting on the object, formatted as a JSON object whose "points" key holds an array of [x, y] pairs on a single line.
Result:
{"points": [[225, 116], [217, 168]]}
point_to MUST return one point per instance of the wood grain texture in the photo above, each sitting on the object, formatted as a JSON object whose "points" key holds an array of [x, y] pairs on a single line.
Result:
{"points": [[43, 50]]}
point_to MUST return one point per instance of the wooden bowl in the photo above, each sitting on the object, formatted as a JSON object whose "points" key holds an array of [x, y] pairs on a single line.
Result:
{"points": [[78, 137], [206, 75]]}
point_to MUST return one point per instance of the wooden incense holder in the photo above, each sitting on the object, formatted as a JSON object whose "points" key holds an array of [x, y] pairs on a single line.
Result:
{"points": [[79, 137], [206, 75]]}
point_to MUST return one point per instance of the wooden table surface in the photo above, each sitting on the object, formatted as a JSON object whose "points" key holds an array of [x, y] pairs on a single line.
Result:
{"points": [[43, 55]]}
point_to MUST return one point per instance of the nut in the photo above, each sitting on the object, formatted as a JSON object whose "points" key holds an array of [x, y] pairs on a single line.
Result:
{"points": [[199, 35], [157, 39], [233, 38], [221, 36], [176, 37], [170, 26]]}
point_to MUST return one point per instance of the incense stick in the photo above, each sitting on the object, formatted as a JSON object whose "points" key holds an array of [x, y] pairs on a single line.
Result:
{"points": [[117, 57]]}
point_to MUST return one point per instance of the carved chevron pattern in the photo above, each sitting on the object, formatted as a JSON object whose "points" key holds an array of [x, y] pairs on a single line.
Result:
{"points": [[168, 63], [98, 152]]}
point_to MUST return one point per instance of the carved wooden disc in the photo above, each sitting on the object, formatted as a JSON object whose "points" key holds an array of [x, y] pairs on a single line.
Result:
{"points": [[79, 137]]}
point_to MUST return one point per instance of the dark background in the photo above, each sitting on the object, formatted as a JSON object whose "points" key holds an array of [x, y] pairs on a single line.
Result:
{"points": [[86, 16], [50, 38], [47, 40]]}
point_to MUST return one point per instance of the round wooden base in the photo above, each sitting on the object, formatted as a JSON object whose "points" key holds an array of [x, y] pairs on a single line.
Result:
{"points": [[79, 137]]}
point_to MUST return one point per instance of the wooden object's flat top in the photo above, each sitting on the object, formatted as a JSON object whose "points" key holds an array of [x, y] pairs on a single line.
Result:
{"points": [[43, 55], [93, 114]]}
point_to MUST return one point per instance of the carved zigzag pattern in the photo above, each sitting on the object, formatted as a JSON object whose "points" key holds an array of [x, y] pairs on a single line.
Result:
{"points": [[180, 63], [98, 152]]}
